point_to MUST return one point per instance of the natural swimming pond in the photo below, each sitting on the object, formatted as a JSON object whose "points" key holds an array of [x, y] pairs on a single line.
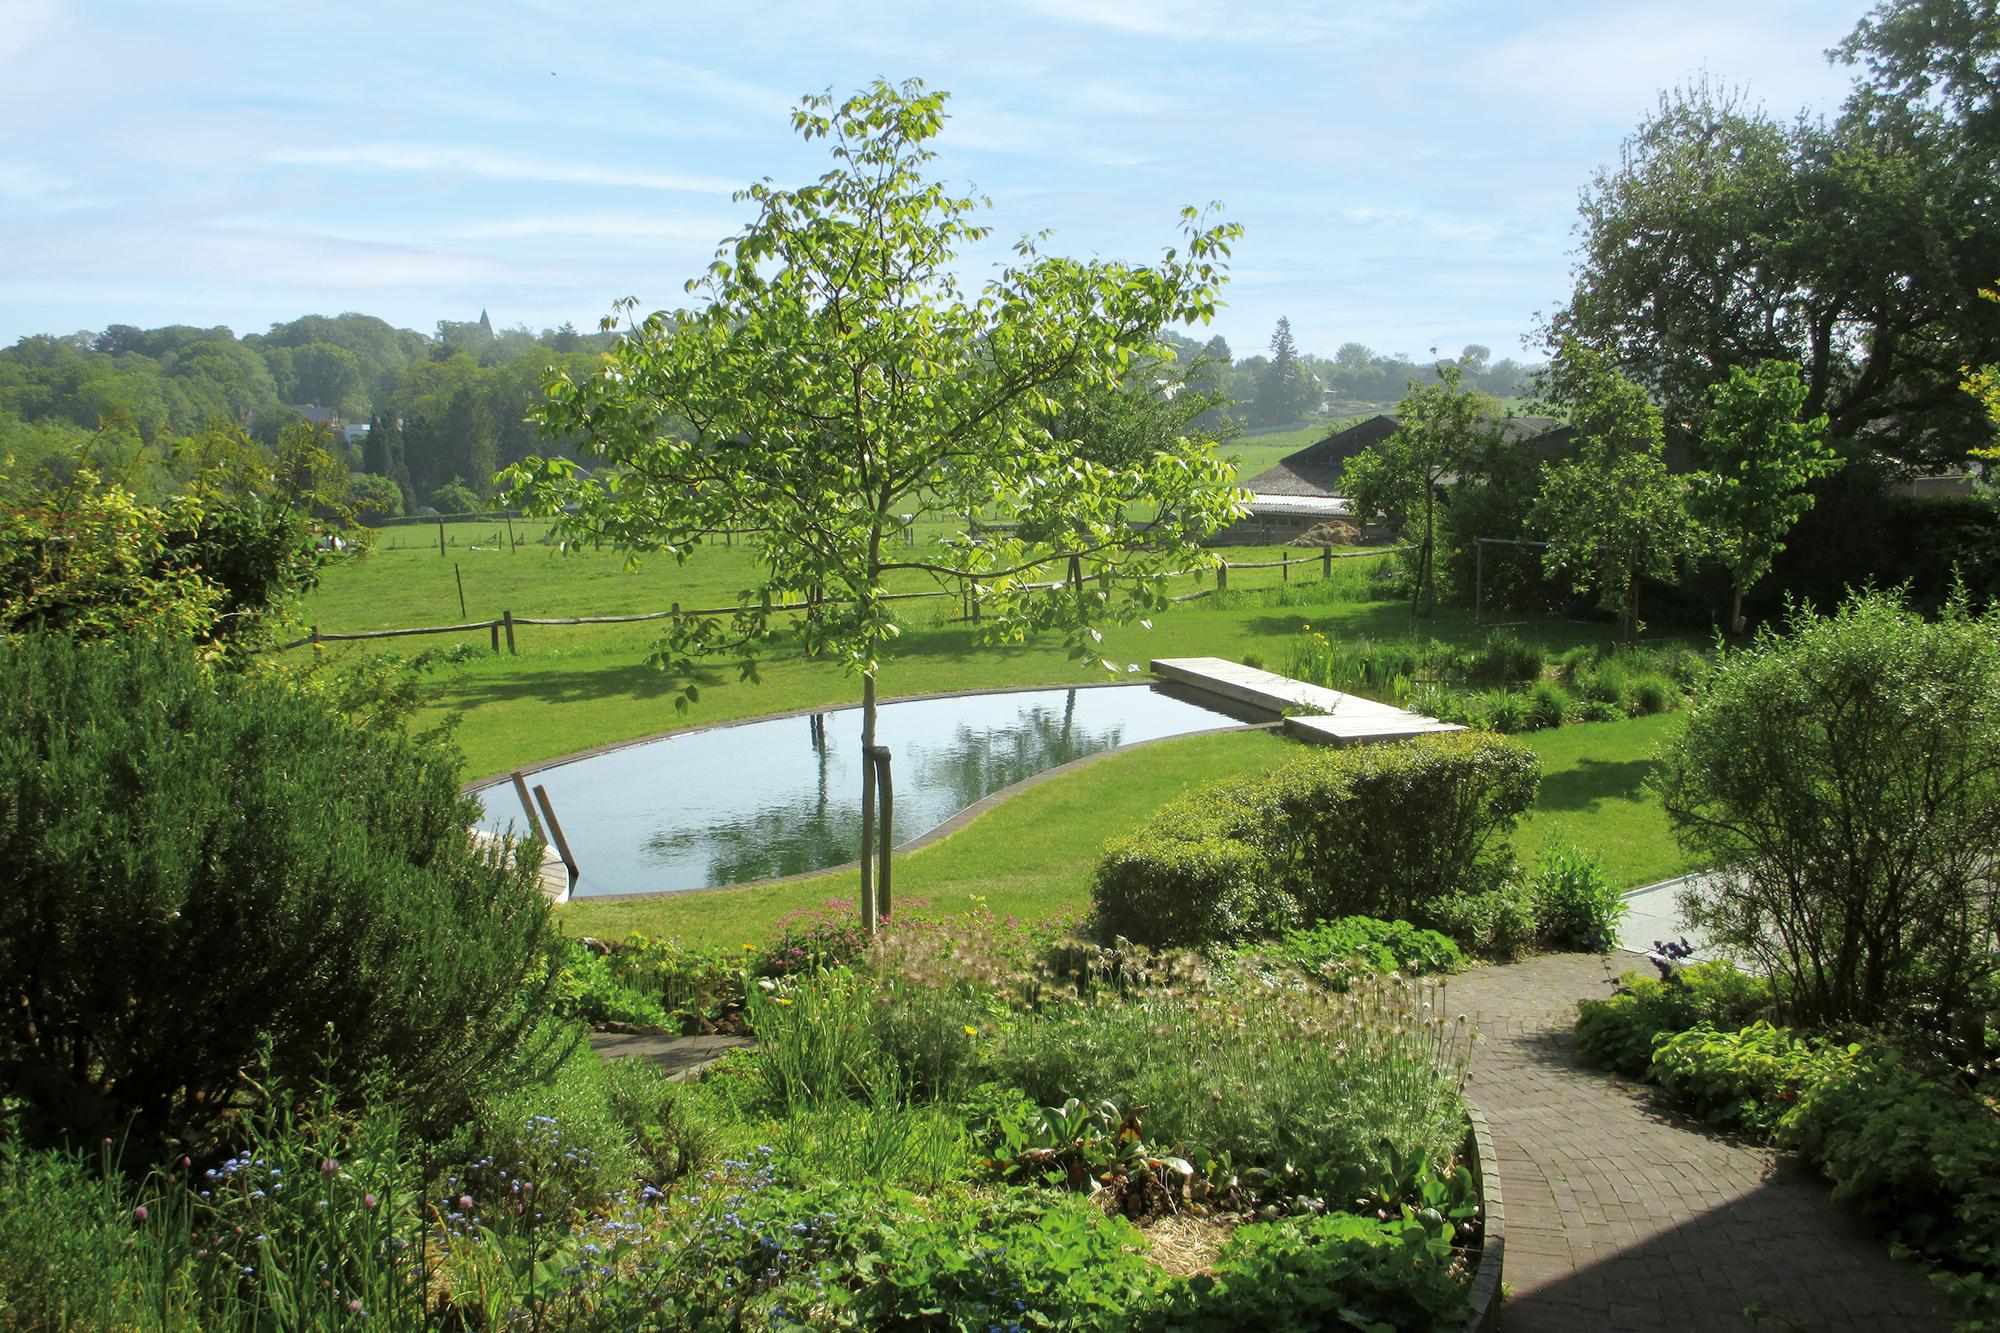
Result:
{"points": [[782, 796]]}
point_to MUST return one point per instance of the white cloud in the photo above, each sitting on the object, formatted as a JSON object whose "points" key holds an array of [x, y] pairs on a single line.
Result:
{"points": [[28, 188], [608, 226], [1219, 20], [423, 158], [1611, 63]]}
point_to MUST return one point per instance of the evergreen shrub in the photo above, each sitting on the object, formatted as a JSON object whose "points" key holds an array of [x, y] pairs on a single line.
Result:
{"points": [[210, 870]]}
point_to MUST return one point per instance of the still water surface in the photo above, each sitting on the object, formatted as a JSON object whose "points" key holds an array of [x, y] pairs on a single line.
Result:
{"points": [[783, 796]]}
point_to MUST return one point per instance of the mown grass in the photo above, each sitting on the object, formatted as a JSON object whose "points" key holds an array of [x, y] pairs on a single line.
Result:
{"points": [[1033, 855]]}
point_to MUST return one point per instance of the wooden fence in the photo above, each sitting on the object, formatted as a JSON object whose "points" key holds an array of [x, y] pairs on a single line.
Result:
{"points": [[507, 622]]}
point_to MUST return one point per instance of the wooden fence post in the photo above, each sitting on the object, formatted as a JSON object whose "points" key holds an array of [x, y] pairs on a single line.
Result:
{"points": [[1284, 569], [495, 627], [510, 533], [1222, 577], [312, 635], [888, 795], [555, 830], [1076, 574], [440, 539], [527, 803], [459, 574], [507, 621], [1326, 562]]}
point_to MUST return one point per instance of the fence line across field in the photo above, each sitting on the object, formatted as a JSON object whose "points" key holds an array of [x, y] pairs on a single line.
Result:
{"points": [[507, 620]]}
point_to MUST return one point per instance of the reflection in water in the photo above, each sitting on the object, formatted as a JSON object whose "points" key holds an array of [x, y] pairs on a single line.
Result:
{"points": [[749, 802]]}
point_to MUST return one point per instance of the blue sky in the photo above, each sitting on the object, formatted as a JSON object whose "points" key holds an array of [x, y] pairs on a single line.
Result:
{"points": [[1407, 170]]}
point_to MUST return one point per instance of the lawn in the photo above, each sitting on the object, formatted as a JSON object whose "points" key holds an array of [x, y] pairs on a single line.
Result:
{"points": [[1032, 855]]}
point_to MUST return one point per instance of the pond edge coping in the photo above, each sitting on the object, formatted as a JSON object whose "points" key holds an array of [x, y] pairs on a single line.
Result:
{"points": [[1485, 1290], [924, 839]]}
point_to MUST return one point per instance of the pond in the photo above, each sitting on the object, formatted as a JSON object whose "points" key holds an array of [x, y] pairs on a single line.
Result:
{"points": [[782, 796]]}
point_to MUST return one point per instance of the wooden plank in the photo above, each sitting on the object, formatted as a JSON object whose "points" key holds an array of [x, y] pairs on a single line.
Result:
{"points": [[1323, 716]]}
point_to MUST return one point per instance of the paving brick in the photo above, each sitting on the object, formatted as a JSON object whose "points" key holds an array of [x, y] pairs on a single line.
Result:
{"points": [[1622, 1215]]}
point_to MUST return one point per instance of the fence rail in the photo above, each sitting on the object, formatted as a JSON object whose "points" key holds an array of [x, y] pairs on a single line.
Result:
{"points": [[507, 620]]}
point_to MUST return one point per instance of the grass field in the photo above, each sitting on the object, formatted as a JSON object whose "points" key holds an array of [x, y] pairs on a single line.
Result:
{"points": [[573, 687]]}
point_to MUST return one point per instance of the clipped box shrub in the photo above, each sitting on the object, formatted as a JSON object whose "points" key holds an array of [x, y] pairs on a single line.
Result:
{"points": [[1390, 831], [208, 871], [1168, 890]]}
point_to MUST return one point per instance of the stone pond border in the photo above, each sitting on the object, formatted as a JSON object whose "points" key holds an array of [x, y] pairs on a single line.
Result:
{"points": [[1486, 1278]]}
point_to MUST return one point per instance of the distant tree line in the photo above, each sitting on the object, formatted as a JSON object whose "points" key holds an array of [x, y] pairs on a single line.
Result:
{"points": [[446, 410], [1287, 386]]}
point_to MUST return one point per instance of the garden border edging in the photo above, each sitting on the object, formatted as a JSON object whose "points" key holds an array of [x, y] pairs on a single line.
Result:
{"points": [[1485, 1289]]}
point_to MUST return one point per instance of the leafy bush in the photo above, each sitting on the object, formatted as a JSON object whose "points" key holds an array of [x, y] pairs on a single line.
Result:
{"points": [[455, 498], [1606, 683], [588, 989], [1846, 773], [1499, 922], [1176, 882], [1747, 1077], [1576, 905], [1303, 1275], [1381, 946], [560, 1138], [1329, 834], [205, 864], [1619, 1033]]}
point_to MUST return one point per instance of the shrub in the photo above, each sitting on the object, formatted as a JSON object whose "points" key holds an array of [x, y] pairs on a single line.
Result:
{"points": [[1596, 710], [1329, 834], [588, 989], [1576, 663], [1847, 772], [205, 863], [1605, 683], [1163, 887], [455, 498], [562, 1137], [1381, 946], [1747, 1077], [1548, 706], [1576, 905], [1619, 1033], [1337, 1271], [1499, 922]]}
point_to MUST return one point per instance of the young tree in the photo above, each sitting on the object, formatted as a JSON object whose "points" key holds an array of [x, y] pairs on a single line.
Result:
{"points": [[1844, 777], [1757, 459], [835, 377], [1612, 514], [1439, 428], [1287, 390]]}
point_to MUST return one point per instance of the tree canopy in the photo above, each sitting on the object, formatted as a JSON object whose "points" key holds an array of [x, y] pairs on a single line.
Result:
{"points": [[833, 377]]}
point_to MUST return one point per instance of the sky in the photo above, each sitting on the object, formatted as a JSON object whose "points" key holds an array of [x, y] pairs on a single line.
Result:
{"points": [[1406, 171]]}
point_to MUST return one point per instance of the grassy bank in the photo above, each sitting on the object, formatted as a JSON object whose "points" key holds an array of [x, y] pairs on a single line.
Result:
{"points": [[1033, 854]]}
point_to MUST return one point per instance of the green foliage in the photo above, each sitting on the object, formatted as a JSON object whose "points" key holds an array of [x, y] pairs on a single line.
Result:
{"points": [[1746, 1077], [1619, 1033], [1295, 1089], [1612, 514], [1548, 706], [563, 1135], [455, 497], [374, 498], [1498, 922], [1758, 456], [1179, 881], [206, 863], [1328, 947], [1287, 389], [1335, 1272], [1325, 835], [1576, 904], [1845, 774], [1440, 428]]}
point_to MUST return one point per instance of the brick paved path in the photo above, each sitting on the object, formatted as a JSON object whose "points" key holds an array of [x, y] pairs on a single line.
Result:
{"points": [[1620, 1215]]}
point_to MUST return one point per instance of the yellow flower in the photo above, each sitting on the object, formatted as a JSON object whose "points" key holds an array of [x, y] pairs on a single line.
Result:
{"points": [[784, 1001], [749, 946], [971, 1031]]}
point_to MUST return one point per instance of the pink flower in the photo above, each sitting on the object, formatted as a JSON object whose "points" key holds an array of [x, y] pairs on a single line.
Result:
{"points": [[139, 1214], [367, 1201], [328, 1167]]}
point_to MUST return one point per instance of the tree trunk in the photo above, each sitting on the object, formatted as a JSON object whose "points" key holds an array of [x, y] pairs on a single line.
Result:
{"points": [[868, 912], [1736, 620]]}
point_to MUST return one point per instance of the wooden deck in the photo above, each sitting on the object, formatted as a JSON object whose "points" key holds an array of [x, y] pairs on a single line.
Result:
{"points": [[1319, 715], [555, 875]]}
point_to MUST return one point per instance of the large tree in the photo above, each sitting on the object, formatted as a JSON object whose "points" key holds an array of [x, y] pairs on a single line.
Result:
{"points": [[1758, 458], [833, 377], [1726, 237], [1440, 429]]}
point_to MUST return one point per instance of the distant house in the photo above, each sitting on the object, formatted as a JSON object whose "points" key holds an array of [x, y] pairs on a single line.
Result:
{"points": [[1303, 489], [354, 432]]}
